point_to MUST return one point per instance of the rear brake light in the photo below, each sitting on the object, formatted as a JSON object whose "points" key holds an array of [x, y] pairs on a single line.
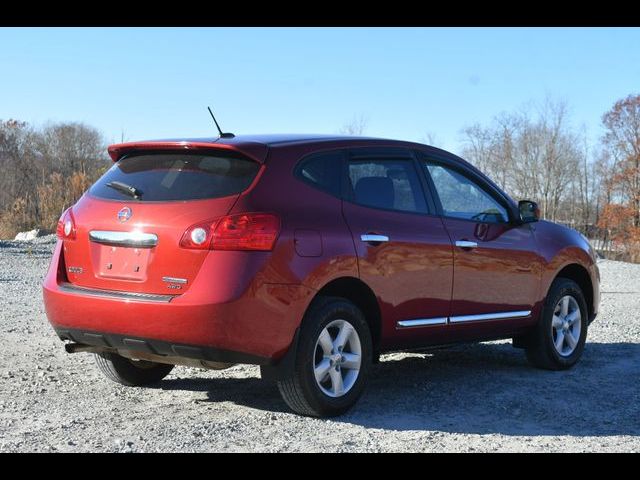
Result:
{"points": [[246, 231], [66, 229]]}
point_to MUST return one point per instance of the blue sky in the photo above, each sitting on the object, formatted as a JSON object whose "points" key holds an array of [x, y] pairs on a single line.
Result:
{"points": [[156, 82]]}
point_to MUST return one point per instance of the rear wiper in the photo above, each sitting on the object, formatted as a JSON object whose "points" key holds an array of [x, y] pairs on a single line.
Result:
{"points": [[126, 189]]}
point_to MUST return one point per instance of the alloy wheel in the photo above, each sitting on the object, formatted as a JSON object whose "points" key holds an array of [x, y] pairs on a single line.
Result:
{"points": [[337, 358], [566, 325]]}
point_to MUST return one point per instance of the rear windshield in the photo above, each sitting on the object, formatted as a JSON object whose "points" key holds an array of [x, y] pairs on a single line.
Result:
{"points": [[175, 176]]}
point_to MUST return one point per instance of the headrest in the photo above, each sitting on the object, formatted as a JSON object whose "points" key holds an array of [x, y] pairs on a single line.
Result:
{"points": [[375, 192]]}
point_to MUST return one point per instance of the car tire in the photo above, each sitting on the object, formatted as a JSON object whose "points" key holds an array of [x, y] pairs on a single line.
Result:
{"points": [[342, 376], [557, 342], [132, 373]]}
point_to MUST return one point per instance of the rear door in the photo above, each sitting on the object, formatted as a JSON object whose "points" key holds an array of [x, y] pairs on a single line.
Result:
{"points": [[404, 252], [496, 265], [130, 222]]}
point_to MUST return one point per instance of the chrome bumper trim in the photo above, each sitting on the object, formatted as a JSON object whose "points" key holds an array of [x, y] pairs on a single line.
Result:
{"points": [[124, 239], [115, 295]]}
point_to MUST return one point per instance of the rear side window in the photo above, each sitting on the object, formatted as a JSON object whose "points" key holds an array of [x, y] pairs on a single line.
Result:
{"points": [[175, 176], [323, 171], [387, 184]]}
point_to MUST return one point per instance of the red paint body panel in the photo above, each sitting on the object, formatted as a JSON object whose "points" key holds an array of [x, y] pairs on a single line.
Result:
{"points": [[505, 264], [238, 313], [561, 247], [168, 220], [253, 302], [412, 274]]}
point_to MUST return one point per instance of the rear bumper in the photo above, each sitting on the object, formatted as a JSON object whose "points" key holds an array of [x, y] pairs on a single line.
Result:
{"points": [[158, 347], [256, 326]]}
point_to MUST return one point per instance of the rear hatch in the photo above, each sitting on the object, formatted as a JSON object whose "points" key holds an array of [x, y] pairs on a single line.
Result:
{"points": [[128, 226]]}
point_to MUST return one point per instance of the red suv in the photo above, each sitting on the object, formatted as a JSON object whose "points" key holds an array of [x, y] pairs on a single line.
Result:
{"points": [[309, 256]]}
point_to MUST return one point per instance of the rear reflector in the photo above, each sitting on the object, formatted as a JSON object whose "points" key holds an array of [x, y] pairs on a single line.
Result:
{"points": [[246, 231], [66, 229], [198, 236]]}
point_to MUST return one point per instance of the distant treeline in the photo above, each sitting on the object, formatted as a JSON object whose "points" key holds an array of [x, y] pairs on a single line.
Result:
{"points": [[534, 153], [43, 171]]}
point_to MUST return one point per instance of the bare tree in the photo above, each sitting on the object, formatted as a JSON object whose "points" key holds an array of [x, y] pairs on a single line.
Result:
{"points": [[17, 161], [621, 212], [492, 148], [71, 147], [530, 156], [431, 138], [588, 185], [356, 126], [622, 139], [45, 170]]}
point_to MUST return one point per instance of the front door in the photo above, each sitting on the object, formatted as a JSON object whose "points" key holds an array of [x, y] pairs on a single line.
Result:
{"points": [[496, 266], [404, 252]]}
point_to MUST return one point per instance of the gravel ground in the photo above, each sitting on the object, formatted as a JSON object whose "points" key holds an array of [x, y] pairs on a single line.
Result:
{"points": [[480, 397]]}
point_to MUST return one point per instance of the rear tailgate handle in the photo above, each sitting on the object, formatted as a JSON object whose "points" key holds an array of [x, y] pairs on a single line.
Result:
{"points": [[124, 239], [373, 238]]}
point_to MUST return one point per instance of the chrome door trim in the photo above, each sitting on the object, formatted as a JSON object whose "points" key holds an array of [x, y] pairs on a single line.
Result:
{"points": [[426, 322], [466, 244], [490, 316], [421, 322], [374, 238], [124, 239], [114, 294]]}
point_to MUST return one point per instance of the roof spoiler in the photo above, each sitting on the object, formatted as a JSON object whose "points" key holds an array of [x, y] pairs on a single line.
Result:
{"points": [[255, 151]]}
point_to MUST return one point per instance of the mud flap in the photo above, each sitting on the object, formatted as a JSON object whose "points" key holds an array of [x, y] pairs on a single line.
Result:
{"points": [[283, 368], [521, 341]]}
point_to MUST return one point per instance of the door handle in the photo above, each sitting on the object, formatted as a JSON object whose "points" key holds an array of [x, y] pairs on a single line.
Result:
{"points": [[466, 244], [373, 238]]}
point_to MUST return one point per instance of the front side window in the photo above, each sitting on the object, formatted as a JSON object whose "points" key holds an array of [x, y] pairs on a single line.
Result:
{"points": [[387, 184], [461, 197]]}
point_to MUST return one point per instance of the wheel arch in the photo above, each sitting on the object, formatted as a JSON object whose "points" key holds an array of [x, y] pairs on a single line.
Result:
{"points": [[358, 292], [580, 275], [349, 288]]}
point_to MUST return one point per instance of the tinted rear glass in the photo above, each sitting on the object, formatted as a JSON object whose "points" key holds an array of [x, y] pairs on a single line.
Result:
{"points": [[322, 170], [176, 176]]}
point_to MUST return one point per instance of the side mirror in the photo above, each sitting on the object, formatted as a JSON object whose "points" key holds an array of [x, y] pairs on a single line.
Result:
{"points": [[529, 211]]}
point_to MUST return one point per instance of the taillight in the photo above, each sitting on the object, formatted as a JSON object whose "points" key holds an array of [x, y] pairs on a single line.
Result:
{"points": [[198, 236], [66, 229], [245, 231]]}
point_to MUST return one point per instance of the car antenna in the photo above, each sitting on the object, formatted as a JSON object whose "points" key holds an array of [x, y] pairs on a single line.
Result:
{"points": [[222, 135]]}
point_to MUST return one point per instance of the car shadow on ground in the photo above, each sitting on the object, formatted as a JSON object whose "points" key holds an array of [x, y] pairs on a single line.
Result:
{"points": [[479, 388], [251, 392]]}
